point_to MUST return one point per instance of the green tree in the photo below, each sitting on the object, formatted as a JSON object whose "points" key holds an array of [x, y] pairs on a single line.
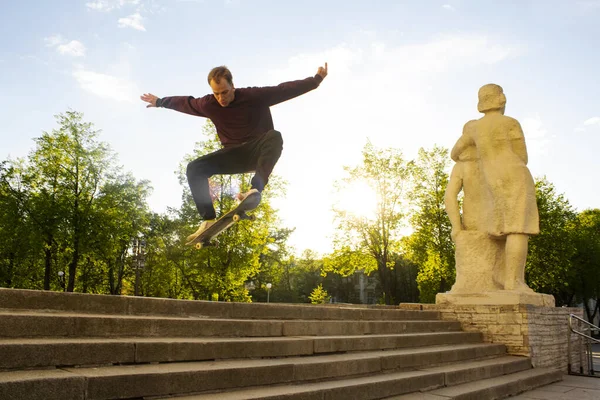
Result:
{"points": [[275, 268], [319, 295], [585, 262], [387, 173], [222, 271], [430, 246], [74, 207], [18, 265], [165, 259], [549, 262], [306, 274], [406, 273], [120, 214], [345, 261], [69, 166]]}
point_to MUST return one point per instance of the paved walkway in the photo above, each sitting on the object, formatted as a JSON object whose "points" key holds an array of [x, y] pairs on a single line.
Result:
{"points": [[570, 388]]}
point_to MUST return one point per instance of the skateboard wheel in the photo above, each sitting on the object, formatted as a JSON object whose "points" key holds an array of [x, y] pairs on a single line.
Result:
{"points": [[252, 217], [236, 218], [198, 246]]}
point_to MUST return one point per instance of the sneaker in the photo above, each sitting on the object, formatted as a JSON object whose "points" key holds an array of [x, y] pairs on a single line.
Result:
{"points": [[203, 226], [242, 196]]}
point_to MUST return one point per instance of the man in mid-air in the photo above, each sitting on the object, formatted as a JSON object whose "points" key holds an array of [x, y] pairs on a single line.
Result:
{"points": [[245, 128]]}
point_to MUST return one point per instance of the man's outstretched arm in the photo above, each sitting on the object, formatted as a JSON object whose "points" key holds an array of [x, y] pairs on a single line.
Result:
{"points": [[184, 104], [272, 95]]}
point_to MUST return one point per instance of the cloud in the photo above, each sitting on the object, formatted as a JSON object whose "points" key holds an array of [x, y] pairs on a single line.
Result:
{"points": [[592, 121], [422, 60], [109, 5], [536, 136], [54, 40], [585, 125], [448, 7], [105, 86], [73, 48], [133, 21]]}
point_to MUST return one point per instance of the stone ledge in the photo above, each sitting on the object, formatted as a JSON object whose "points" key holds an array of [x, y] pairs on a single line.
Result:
{"points": [[496, 298]]}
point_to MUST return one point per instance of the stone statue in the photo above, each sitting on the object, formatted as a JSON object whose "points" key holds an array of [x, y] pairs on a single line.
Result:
{"points": [[499, 210], [479, 256]]}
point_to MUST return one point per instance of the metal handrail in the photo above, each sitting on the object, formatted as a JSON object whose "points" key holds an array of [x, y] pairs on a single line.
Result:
{"points": [[590, 361]]}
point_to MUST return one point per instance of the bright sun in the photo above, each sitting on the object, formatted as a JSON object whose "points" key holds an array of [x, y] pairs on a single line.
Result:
{"points": [[358, 199]]}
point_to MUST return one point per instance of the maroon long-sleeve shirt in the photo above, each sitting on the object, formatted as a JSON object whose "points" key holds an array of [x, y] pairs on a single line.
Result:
{"points": [[248, 116]]}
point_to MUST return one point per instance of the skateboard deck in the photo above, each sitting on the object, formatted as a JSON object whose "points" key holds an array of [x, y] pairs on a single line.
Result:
{"points": [[227, 220]]}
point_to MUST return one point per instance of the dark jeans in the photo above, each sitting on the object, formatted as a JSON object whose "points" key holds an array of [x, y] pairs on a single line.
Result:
{"points": [[259, 155]]}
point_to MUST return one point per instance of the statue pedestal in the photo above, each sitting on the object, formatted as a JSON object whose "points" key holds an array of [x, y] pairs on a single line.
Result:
{"points": [[528, 324], [495, 298]]}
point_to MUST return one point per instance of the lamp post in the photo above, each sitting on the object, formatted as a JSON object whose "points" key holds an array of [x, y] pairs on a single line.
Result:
{"points": [[61, 279], [268, 291], [139, 247]]}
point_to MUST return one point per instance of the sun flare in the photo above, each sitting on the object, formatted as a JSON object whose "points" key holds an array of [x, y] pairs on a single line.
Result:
{"points": [[358, 199]]}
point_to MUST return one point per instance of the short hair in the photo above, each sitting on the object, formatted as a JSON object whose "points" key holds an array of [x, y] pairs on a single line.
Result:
{"points": [[220, 72]]}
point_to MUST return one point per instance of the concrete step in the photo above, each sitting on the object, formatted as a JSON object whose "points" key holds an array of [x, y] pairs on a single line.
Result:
{"points": [[57, 352], [18, 299], [42, 384], [137, 381], [492, 388], [79, 346], [363, 388], [35, 324]]}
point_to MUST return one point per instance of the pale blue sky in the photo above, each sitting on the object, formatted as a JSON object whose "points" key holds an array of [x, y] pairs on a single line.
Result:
{"points": [[402, 73]]}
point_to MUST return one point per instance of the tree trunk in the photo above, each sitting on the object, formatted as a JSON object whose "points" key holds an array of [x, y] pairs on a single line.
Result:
{"points": [[111, 278], [442, 285], [47, 264], [385, 281], [73, 265], [76, 235], [11, 268], [85, 275], [120, 261]]}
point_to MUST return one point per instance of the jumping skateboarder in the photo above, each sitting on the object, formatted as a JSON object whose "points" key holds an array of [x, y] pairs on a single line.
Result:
{"points": [[245, 128]]}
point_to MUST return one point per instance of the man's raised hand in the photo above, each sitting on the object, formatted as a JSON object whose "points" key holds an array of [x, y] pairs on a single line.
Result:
{"points": [[149, 98], [322, 71]]}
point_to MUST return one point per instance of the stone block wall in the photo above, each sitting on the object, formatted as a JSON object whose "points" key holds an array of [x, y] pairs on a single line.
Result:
{"points": [[533, 331]]}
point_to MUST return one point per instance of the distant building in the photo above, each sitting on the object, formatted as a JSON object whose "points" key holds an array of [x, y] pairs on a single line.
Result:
{"points": [[366, 287]]}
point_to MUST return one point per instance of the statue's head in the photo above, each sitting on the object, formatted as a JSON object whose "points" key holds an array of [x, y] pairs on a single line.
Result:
{"points": [[491, 97]]}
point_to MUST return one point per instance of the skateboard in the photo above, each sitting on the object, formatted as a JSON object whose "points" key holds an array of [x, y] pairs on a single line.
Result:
{"points": [[236, 215]]}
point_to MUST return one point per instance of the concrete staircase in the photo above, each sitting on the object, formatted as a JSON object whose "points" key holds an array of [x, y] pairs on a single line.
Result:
{"points": [[77, 346]]}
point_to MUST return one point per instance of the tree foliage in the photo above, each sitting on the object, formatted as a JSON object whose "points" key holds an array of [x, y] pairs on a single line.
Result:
{"points": [[386, 172], [221, 272], [430, 245], [319, 295], [71, 219], [551, 252], [79, 211]]}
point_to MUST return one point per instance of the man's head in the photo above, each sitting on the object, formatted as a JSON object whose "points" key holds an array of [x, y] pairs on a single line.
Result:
{"points": [[491, 97], [221, 83]]}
